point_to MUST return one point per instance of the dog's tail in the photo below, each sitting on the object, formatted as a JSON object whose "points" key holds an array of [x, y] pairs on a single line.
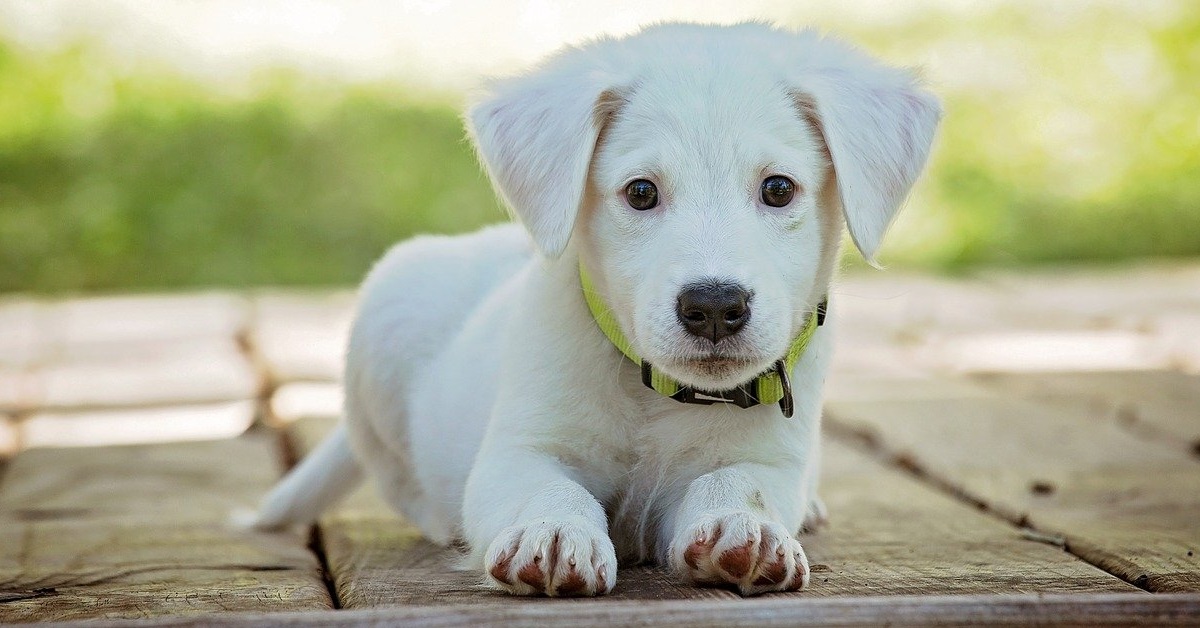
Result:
{"points": [[322, 478]]}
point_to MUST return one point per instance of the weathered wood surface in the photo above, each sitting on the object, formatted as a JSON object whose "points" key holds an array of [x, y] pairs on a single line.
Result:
{"points": [[122, 351], [889, 535], [1085, 611], [139, 531], [1161, 405], [300, 336], [1100, 464], [1141, 317], [10, 439], [1129, 505], [117, 426]]}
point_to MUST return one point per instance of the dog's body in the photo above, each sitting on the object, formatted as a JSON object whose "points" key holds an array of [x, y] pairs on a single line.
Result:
{"points": [[487, 403]]}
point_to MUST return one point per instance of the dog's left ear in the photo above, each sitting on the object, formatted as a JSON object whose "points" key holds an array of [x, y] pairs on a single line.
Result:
{"points": [[536, 135], [878, 125]]}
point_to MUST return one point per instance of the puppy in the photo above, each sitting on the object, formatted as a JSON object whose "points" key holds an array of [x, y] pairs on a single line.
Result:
{"points": [[634, 373]]}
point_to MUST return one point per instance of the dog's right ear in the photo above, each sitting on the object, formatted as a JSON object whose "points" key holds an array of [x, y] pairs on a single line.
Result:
{"points": [[878, 124], [536, 135]]}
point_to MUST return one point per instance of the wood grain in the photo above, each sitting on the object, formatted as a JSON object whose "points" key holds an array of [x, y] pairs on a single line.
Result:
{"points": [[377, 559], [1162, 405], [1106, 609], [889, 535], [1121, 502], [302, 335], [131, 532]]}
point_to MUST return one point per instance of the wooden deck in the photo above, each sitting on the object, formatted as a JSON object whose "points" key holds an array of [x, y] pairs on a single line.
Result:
{"points": [[1015, 448]]}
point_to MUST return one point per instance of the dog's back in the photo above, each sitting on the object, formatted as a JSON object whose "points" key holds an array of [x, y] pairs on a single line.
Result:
{"points": [[414, 301]]}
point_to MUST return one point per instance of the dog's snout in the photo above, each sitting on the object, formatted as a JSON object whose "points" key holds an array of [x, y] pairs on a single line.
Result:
{"points": [[713, 310]]}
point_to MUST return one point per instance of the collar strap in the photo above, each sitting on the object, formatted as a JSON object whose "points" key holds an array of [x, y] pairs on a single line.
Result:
{"points": [[774, 386]]}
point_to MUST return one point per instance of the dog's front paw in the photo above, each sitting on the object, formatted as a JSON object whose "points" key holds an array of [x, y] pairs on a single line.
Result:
{"points": [[740, 549], [552, 558]]}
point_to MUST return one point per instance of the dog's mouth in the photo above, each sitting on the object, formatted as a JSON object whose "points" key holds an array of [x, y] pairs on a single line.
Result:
{"points": [[718, 362], [704, 365], [720, 367]]}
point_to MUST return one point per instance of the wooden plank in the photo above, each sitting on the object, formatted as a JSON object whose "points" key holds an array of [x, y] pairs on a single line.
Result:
{"points": [[130, 426], [302, 336], [1161, 405], [296, 400], [1121, 502], [122, 350], [95, 327], [889, 535], [1124, 295], [19, 389], [21, 332], [10, 438], [895, 324], [139, 531], [1109, 609], [377, 559], [198, 371]]}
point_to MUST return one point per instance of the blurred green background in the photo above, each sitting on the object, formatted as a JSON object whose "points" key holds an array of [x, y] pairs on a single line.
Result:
{"points": [[1068, 138]]}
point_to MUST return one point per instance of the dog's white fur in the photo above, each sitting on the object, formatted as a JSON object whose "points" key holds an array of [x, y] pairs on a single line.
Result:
{"points": [[487, 405]]}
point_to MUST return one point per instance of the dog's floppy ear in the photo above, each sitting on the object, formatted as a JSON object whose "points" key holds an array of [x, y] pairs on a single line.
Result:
{"points": [[535, 135], [878, 125]]}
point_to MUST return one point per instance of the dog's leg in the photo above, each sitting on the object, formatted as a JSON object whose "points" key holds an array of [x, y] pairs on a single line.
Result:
{"points": [[729, 531], [544, 532], [816, 515]]}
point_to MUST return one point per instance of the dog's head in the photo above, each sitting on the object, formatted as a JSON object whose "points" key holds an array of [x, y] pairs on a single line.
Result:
{"points": [[704, 173]]}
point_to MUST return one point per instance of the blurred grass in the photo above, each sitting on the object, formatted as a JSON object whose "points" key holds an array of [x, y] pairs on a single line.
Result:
{"points": [[1079, 142], [1069, 137], [152, 182]]}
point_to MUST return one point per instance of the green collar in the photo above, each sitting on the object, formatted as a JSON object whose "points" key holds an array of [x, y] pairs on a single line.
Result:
{"points": [[770, 387]]}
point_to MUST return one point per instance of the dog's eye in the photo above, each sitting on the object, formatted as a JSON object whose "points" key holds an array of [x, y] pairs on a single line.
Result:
{"points": [[778, 191], [641, 195]]}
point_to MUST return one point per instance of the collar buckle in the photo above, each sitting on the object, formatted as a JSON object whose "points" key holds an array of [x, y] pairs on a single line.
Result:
{"points": [[787, 403], [744, 396], [741, 396]]}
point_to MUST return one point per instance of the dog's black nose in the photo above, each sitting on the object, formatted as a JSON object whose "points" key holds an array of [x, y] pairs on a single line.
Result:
{"points": [[713, 310]]}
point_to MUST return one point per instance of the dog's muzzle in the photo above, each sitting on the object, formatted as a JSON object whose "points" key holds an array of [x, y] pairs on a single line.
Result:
{"points": [[774, 386]]}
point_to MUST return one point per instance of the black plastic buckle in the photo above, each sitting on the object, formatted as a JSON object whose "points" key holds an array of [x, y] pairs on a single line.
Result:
{"points": [[787, 403], [741, 396], [744, 396]]}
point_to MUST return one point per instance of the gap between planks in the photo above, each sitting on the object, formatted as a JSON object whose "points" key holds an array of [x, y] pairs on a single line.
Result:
{"points": [[916, 433], [135, 531], [905, 462], [890, 536], [316, 544]]}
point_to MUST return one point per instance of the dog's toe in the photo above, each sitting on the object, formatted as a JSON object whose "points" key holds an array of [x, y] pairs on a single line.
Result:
{"points": [[552, 558], [740, 551]]}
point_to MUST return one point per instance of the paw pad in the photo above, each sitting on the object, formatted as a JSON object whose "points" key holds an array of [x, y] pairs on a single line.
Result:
{"points": [[741, 550]]}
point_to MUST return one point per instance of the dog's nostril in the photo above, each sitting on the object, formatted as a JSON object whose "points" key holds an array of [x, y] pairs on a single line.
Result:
{"points": [[713, 310]]}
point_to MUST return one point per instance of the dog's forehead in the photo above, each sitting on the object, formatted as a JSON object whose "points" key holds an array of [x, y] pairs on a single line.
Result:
{"points": [[689, 96], [689, 115]]}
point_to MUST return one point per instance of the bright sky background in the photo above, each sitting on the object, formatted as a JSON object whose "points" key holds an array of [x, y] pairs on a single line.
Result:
{"points": [[439, 43]]}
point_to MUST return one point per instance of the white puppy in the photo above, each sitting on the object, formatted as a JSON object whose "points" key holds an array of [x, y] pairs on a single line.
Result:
{"points": [[682, 193]]}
